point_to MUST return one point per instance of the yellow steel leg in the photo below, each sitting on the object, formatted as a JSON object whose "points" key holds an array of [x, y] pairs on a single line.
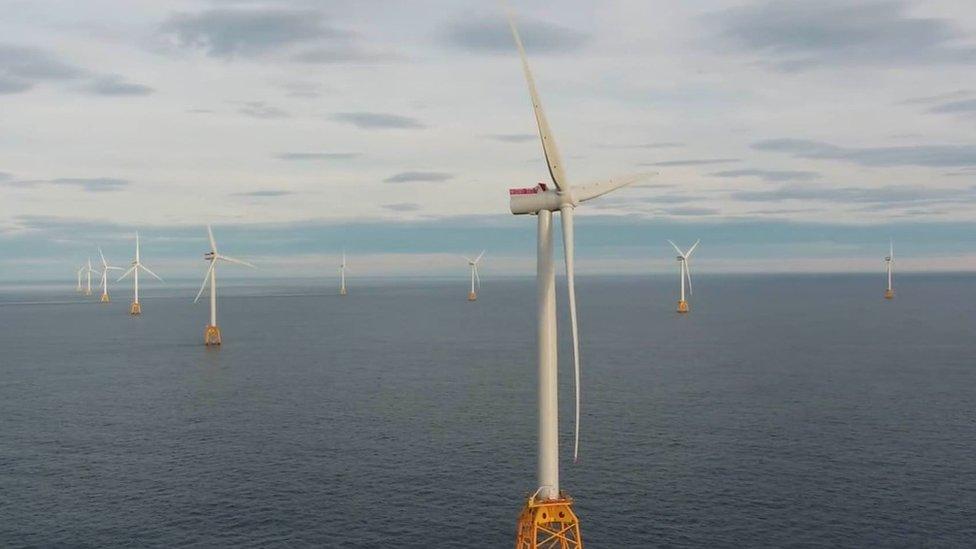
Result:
{"points": [[889, 294], [211, 336], [472, 296], [682, 306], [548, 525], [136, 309]]}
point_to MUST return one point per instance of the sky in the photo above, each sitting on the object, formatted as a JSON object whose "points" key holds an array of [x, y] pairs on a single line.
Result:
{"points": [[790, 136]]}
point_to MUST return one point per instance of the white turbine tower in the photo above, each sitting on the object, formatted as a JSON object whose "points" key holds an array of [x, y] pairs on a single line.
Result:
{"points": [[475, 278], [212, 334], [136, 308], [88, 271], [548, 518], [78, 288], [105, 269], [684, 264], [342, 275], [889, 263]]}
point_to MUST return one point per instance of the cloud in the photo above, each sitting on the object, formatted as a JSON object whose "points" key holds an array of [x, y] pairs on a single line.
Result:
{"points": [[966, 106], [694, 162], [691, 211], [661, 145], [492, 35], [92, 184], [402, 207], [22, 68], [260, 109], [246, 32], [377, 121], [891, 194], [512, 137], [344, 55], [770, 175], [918, 155], [115, 86], [802, 35], [418, 177], [316, 156], [265, 194], [4, 176]]}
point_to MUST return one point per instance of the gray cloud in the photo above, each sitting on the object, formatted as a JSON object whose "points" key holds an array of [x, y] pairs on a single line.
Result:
{"points": [[966, 106], [492, 35], [377, 121], [265, 194], [661, 145], [416, 177], [691, 211], [245, 32], [513, 137], [4, 176], [920, 155], [402, 207], [114, 85], [940, 98], [344, 55], [891, 194], [802, 34], [694, 162], [91, 184], [22, 68], [260, 109], [770, 175], [316, 156]]}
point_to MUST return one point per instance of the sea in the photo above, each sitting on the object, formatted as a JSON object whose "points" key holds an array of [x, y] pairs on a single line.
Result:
{"points": [[782, 411]]}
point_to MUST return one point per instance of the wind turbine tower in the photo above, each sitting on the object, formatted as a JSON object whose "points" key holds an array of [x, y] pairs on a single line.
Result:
{"points": [[88, 271], [548, 519], [889, 263], [684, 265], [105, 269], [342, 275], [211, 335], [475, 278], [136, 308], [79, 288]]}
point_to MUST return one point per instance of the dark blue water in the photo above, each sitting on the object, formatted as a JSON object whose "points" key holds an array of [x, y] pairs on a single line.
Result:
{"points": [[783, 411]]}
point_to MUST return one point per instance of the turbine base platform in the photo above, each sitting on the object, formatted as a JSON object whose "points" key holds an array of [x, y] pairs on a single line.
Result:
{"points": [[550, 523], [343, 292], [87, 292], [472, 296], [682, 306], [211, 336], [889, 294], [105, 298], [135, 309]]}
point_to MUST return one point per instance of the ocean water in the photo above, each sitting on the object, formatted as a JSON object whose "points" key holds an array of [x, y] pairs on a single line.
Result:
{"points": [[783, 411]]}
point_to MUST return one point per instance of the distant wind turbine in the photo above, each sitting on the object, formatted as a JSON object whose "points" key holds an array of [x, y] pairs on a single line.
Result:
{"points": [[684, 264], [889, 263], [212, 334], [475, 278], [105, 269], [342, 275], [88, 271], [548, 520], [78, 288], [136, 308]]}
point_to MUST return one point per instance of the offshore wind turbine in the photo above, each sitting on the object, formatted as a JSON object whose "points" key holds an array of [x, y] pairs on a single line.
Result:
{"points": [[684, 264], [78, 288], [889, 263], [548, 520], [88, 270], [136, 309], [342, 275], [212, 334], [105, 269], [473, 263]]}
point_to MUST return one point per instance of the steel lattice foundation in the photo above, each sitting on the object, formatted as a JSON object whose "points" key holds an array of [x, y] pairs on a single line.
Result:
{"points": [[135, 309], [548, 525], [211, 336], [682, 306], [889, 294], [472, 296], [105, 298]]}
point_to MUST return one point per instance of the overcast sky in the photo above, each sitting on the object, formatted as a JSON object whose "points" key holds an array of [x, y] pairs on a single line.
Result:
{"points": [[787, 135]]}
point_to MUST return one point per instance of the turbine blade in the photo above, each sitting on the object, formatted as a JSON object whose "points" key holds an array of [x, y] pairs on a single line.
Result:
{"points": [[238, 261], [125, 274], [154, 275], [482, 254], [692, 249], [553, 159], [477, 278], [213, 243], [676, 248], [891, 249], [568, 248], [688, 276], [137, 247], [102, 256], [206, 278], [592, 190]]}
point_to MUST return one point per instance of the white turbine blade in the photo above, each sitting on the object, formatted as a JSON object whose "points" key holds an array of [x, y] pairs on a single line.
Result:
{"points": [[154, 275], [213, 243], [568, 248], [468, 259], [137, 247], [105, 263], [238, 261], [477, 278], [553, 159], [692, 249], [477, 259], [891, 249], [676, 248], [592, 190], [111, 268], [206, 278], [125, 274], [688, 275]]}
